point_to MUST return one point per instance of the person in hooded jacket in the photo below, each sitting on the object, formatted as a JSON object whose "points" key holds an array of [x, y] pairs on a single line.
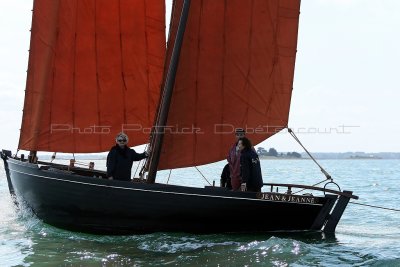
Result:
{"points": [[234, 161], [250, 168], [120, 159]]}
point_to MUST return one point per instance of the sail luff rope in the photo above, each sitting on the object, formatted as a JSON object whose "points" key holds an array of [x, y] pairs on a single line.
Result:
{"points": [[202, 175], [327, 175]]}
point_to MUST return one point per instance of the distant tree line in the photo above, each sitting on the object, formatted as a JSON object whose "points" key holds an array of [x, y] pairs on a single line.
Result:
{"points": [[272, 152]]}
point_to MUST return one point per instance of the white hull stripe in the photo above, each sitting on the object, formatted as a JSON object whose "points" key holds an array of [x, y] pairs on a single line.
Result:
{"points": [[156, 191]]}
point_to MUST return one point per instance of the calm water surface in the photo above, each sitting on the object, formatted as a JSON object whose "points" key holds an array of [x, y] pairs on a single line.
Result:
{"points": [[364, 237]]}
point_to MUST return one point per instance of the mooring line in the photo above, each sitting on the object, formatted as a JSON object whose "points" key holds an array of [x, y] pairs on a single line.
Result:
{"points": [[373, 206]]}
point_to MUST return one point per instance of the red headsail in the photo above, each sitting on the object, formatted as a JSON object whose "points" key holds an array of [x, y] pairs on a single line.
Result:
{"points": [[95, 68], [236, 69]]}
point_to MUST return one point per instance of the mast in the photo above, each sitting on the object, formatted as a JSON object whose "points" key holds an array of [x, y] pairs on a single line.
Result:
{"points": [[158, 131]]}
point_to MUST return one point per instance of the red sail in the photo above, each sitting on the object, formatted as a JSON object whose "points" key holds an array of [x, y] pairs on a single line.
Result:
{"points": [[236, 69], [95, 67]]}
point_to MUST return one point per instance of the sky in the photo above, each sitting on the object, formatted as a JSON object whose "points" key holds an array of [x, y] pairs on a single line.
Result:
{"points": [[346, 91]]}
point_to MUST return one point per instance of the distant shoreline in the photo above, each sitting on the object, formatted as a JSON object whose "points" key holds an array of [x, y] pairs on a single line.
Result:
{"points": [[275, 158]]}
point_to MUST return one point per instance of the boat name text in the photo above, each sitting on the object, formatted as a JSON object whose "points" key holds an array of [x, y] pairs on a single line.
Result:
{"points": [[288, 198]]}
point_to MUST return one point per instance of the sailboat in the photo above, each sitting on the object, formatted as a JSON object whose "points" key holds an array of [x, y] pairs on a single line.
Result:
{"points": [[100, 67]]}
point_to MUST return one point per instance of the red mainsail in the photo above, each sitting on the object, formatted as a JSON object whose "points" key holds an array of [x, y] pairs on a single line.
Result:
{"points": [[236, 69], [95, 68]]}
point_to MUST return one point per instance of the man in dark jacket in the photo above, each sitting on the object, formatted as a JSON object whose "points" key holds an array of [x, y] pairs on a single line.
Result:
{"points": [[120, 159], [250, 168]]}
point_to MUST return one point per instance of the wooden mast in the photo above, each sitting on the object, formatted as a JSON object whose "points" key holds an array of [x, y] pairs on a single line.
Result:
{"points": [[163, 109]]}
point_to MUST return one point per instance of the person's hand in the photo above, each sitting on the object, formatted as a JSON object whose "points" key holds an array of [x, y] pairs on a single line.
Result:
{"points": [[110, 178], [243, 187]]}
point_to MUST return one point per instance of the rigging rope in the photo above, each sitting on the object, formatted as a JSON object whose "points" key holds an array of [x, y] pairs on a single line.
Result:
{"points": [[169, 175], [140, 162], [327, 175], [312, 185], [373, 206], [202, 175]]}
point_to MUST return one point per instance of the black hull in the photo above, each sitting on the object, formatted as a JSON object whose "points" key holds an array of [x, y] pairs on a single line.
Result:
{"points": [[95, 205]]}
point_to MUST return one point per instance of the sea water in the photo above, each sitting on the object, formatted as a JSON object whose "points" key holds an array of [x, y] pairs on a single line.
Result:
{"points": [[365, 236]]}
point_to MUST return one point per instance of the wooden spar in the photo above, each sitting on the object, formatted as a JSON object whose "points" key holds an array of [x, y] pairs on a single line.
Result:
{"points": [[166, 96]]}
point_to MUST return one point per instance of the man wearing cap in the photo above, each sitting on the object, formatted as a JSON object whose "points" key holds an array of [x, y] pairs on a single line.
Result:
{"points": [[234, 160], [120, 159]]}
